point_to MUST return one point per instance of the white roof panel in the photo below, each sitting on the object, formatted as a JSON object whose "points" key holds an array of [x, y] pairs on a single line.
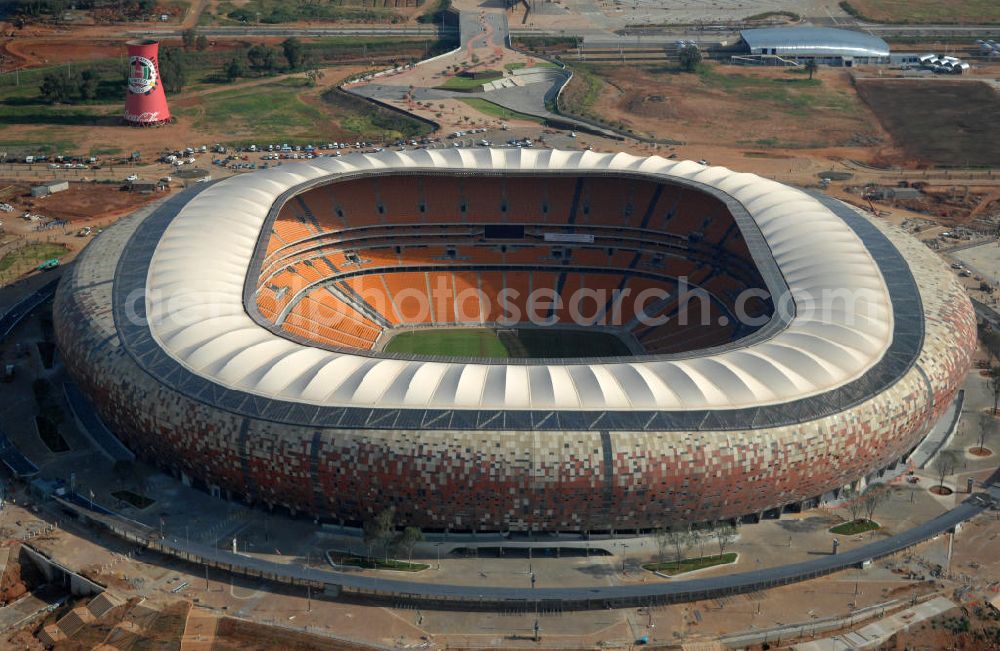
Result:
{"points": [[199, 268]]}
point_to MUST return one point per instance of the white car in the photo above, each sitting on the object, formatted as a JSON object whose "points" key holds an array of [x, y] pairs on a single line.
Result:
{"points": [[132, 177]]}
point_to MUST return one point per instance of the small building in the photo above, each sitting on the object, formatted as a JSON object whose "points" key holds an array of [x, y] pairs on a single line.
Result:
{"points": [[146, 187], [51, 187], [836, 47]]}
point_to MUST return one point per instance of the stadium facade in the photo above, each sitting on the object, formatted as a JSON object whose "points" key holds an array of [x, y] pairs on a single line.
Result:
{"points": [[227, 336]]}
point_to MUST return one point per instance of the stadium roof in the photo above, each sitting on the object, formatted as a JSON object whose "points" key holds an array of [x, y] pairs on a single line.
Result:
{"points": [[199, 266], [814, 41]]}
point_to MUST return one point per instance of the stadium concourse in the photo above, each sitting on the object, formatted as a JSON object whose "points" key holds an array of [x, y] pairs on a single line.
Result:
{"points": [[236, 336]]}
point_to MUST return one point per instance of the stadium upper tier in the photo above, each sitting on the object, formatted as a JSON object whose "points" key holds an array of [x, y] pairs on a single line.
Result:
{"points": [[348, 261], [802, 249]]}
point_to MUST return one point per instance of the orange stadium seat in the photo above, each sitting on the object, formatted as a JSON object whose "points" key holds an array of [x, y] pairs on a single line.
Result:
{"points": [[525, 197], [484, 200], [400, 202], [469, 307], [408, 297], [443, 200], [442, 295], [491, 283]]}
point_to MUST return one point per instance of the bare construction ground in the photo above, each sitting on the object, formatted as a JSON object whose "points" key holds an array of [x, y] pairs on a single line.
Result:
{"points": [[927, 11], [937, 121], [724, 105]]}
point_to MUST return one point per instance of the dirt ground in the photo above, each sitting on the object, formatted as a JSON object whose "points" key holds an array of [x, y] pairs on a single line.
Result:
{"points": [[237, 635], [943, 122], [751, 109], [84, 201]]}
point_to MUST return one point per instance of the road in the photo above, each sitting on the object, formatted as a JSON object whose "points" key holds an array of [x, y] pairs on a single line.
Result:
{"points": [[569, 598], [301, 32]]}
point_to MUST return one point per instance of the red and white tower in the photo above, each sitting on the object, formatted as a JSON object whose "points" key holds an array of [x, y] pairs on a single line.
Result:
{"points": [[145, 102]]}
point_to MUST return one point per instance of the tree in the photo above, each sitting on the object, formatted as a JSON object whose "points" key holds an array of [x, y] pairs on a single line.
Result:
{"points": [[698, 538], [811, 67], [993, 382], [236, 68], [188, 38], [173, 71], [987, 427], [88, 84], [371, 536], [378, 530], [262, 58], [724, 533], [292, 47], [407, 540], [386, 521], [689, 57], [852, 501], [680, 540], [944, 464], [313, 75], [201, 43], [662, 538], [56, 88], [874, 496]]}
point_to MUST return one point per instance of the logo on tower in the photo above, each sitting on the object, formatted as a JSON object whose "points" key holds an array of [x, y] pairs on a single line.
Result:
{"points": [[142, 75]]}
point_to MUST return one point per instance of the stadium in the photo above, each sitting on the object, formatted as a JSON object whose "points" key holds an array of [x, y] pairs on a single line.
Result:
{"points": [[514, 340]]}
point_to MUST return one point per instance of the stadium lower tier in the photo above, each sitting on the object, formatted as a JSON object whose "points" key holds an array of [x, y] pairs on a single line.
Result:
{"points": [[463, 471]]}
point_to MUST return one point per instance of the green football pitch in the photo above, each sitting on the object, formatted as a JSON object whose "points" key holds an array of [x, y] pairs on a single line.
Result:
{"points": [[497, 343]]}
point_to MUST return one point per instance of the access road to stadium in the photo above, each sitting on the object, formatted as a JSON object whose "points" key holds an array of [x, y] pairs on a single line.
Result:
{"points": [[483, 35]]}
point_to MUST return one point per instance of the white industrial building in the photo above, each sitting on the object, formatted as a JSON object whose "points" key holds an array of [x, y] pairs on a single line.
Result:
{"points": [[51, 187], [795, 45]]}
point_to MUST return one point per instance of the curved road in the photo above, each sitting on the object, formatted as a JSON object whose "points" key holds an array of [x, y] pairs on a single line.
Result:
{"points": [[567, 598]]}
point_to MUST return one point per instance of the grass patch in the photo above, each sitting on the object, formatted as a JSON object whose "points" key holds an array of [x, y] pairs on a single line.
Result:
{"points": [[790, 15], [522, 343], [433, 12], [796, 95], [48, 431], [487, 107], [367, 120], [464, 342], [854, 528], [291, 11], [517, 65], [274, 108], [20, 147], [135, 499], [30, 256], [277, 111], [378, 563], [583, 91], [673, 568], [466, 84]]}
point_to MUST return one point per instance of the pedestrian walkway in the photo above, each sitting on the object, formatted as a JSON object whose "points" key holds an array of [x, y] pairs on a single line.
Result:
{"points": [[878, 633], [199, 630]]}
